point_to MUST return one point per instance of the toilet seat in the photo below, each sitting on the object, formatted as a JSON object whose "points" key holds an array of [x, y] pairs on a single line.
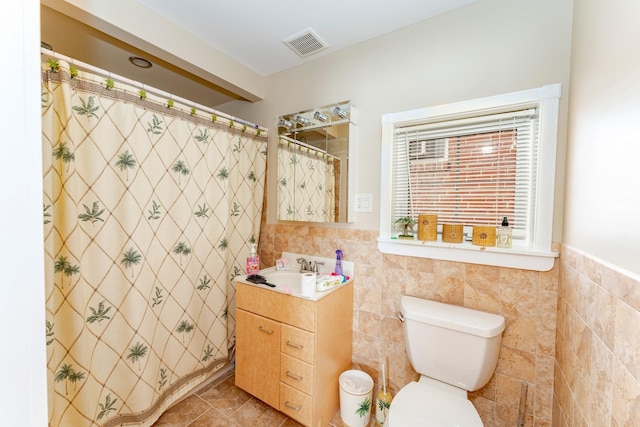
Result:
{"points": [[421, 405]]}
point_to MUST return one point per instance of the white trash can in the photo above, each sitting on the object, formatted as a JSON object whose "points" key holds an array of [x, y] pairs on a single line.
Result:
{"points": [[356, 390]]}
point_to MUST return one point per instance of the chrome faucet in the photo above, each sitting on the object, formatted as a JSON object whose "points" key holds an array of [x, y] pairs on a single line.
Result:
{"points": [[315, 268], [305, 266]]}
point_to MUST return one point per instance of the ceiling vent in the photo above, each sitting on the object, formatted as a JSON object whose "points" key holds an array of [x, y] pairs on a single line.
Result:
{"points": [[306, 42]]}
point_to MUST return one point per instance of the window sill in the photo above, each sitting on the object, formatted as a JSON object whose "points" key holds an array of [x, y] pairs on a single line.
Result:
{"points": [[522, 258]]}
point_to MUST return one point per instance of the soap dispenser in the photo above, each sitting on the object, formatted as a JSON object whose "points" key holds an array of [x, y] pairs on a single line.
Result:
{"points": [[504, 234], [253, 262]]}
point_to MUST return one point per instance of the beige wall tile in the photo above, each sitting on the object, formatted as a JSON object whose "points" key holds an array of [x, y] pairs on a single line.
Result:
{"points": [[448, 268], [421, 285], [520, 333], [449, 289], [369, 323], [622, 286], [486, 409], [590, 268], [626, 397], [482, 296], [369, 300], [518, 302], [394, 280], [627, 338], [547, 307], [597, 355], [546, 344], [488, 391], [584, 299], [562, 394], [508, 393], [517, 364], [390, 304], [601, 384], [544, 371], [582, 388], [522, 279], [579, 420], [604, 312], [481, 274], [422, 265], [549, 279], [542, 406]]}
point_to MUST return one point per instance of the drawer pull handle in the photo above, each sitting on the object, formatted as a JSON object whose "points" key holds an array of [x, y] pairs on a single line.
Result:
{"points": [[262, 328], [294, 407], [294, 345], [294, 376]]}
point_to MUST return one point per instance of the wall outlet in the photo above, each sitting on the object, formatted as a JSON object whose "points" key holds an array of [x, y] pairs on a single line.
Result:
{"points": [[364, 202]]}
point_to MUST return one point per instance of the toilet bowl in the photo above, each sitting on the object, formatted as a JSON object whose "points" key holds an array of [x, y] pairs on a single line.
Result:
{"points": [[455, 350], [423, 405]]}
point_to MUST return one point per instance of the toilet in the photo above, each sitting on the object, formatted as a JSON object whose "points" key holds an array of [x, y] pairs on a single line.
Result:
{"points": [[455, 350]]}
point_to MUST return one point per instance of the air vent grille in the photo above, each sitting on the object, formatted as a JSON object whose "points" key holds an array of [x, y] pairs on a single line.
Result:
{"points": [[306, 42]]}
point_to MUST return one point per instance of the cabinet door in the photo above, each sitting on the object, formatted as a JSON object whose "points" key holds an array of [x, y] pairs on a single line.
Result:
{"points": [[258, 356]]}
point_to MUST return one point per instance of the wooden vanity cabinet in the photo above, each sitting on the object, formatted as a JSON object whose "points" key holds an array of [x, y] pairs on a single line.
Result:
{"points": [[290, 351]]}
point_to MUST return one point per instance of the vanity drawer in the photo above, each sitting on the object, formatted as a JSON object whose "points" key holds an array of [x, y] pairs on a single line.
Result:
{"points": [[296, 404], [276, 305], [297, 374], [297, 343]]}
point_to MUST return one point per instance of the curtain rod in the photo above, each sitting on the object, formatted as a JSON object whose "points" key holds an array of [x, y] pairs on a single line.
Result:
{"points": [[301, 145], [151, 89]]}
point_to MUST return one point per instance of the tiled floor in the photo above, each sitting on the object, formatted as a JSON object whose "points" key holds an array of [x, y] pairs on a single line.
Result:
{"points": [[222, 404]]}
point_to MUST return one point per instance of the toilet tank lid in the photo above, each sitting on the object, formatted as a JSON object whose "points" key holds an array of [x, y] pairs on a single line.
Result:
{"points": [[453, 317]]}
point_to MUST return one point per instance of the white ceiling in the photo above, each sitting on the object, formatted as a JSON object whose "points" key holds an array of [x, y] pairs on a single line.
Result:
{"points": [[251, 31]]}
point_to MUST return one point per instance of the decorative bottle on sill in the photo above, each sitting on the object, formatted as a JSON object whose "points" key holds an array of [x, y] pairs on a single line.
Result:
{"points": [[504, 234]]}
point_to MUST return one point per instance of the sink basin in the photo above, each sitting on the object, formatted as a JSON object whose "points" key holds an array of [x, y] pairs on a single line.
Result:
{"points": [[290, 281], [282, 279], [286, 281]]}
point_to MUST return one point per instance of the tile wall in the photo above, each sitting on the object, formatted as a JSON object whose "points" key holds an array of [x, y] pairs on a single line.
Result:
{"points": [[597, 370], [527, 299]]}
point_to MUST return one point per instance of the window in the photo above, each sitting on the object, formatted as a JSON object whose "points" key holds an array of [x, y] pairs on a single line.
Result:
{"points": [[469, 171], [429, 150], [473, 163]]}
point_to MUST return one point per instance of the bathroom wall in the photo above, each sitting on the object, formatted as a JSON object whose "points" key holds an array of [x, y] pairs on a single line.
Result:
{"points": [[602, 196], [486, 48], [597, 372], [527, 299]]}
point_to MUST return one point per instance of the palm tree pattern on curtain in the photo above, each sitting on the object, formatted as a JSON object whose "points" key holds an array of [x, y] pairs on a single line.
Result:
{"points": [[149, 210], [306, 184]]}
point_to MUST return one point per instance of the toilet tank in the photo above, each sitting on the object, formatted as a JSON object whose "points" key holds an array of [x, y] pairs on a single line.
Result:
{"points": [[452, 344]]}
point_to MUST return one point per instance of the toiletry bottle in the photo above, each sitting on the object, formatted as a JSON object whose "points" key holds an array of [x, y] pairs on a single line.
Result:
{"points": [[504, 234], [253, 262], [338, 269]]}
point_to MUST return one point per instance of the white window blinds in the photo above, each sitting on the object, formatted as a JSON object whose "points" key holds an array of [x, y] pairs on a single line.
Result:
{"points": [[472, 171]]}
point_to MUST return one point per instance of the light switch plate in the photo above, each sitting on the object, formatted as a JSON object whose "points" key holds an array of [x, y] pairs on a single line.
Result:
{"points": [[364, 202]]}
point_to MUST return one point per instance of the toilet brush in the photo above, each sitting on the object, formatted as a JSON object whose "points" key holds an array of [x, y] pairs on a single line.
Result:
{"points": [[384, 400]]}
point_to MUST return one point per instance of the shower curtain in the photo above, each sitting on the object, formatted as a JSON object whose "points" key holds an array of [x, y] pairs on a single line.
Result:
{"points": [[307, 188], [149, 209]]}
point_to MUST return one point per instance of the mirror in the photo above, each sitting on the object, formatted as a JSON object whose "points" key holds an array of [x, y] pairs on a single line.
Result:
{"points": [[315, 164]]}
